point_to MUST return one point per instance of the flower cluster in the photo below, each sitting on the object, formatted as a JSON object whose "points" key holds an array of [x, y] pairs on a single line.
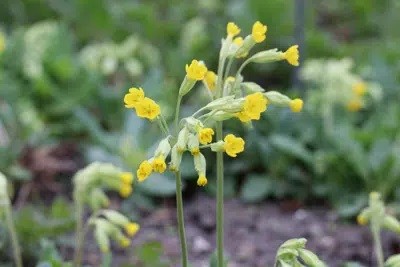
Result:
{"points": [[336, 84], [145, 107], [230, 97], [112, 225]]}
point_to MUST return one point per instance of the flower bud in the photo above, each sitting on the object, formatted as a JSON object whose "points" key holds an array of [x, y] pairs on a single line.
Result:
{"points": [[391, 223], [176, 158], [115, 217], [163, 148], [251, 87], [267, 56], [277, 98], [186, 86], [193, 124], [98, 199], [393, 261], [193, 144], [295, 243], [200, 163], [247, 45], [181, 142], [310, 258]]}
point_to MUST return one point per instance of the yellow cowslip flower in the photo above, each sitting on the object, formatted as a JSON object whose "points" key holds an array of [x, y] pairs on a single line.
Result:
{"points": [[232, 29], [359, 88], [296, 105], [134, 96], [243, 116], [202, 180], [258, 32], [292, 55], [210, 79], [354, 105], [230, 79], [126, 177], [131, 228], [195, 151], [205, 136], [361, 220], [254, 105], [233, 145], [124, 242], [125, 190], [144, 171], [196, 70], [159, 164], [147, 108]]}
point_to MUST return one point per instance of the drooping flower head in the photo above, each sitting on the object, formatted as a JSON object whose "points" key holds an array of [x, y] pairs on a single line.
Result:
{"points": [[147, 108], [259, 32], [292, 55], [135, 96], [354, 105], [196, 70], [125, 190], [233, 145], [126, 177], [202, 180], [131, 228]]}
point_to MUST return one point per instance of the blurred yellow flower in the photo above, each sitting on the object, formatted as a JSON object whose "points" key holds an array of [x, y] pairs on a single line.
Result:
{"points": [[233, 145], [134, 96], [147, 108], [210, 80], [296, 105], [354, 105], [124, 242], [131, 228], [359, 88], [202, 180], [196, 70], [126, 177], [232, 29], [144, 171], [125, 190], [292, 55], [361, 220], [206, 135], [195, 151], [238, 41], [258, 32]]}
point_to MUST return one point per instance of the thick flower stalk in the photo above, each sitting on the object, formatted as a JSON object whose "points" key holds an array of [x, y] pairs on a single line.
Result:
{"points": [[230, 98]]}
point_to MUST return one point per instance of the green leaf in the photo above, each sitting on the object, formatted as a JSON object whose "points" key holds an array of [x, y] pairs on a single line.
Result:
{"points": [[379, 153], [291, 147], [255, 188], [159, 185]]}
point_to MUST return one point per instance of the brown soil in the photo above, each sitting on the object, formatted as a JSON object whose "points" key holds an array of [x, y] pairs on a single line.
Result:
{"points": [[253, 232]]}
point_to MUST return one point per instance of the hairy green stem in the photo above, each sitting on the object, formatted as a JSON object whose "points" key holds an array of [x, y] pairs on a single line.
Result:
{"points": [[181, 219], [13, 235], [79, 232], [177, 109], [378, 246], [220, 201]]}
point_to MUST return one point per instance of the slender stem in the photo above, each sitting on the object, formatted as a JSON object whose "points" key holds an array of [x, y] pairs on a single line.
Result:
{"points": [[177, 110], [378, 246], [13, 235], [228, 67], [79, 232], [220, 201], [162, 126], [181, 222], [179, 201]]}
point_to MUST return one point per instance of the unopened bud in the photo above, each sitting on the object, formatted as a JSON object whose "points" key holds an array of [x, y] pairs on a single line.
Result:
{"points": [[200, 163], [163, 148], [115, 217], [251, 87], [277, 98], [310, 258], [391, 223], [295, 243], [267, 56], [181, 142], [176, 158], [186, 86], [247, 45], [393, 261]]}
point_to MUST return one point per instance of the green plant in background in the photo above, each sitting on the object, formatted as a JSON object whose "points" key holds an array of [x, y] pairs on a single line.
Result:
{"points": [[229, 97], [293, 253], [376, 216], [6, 210]]}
